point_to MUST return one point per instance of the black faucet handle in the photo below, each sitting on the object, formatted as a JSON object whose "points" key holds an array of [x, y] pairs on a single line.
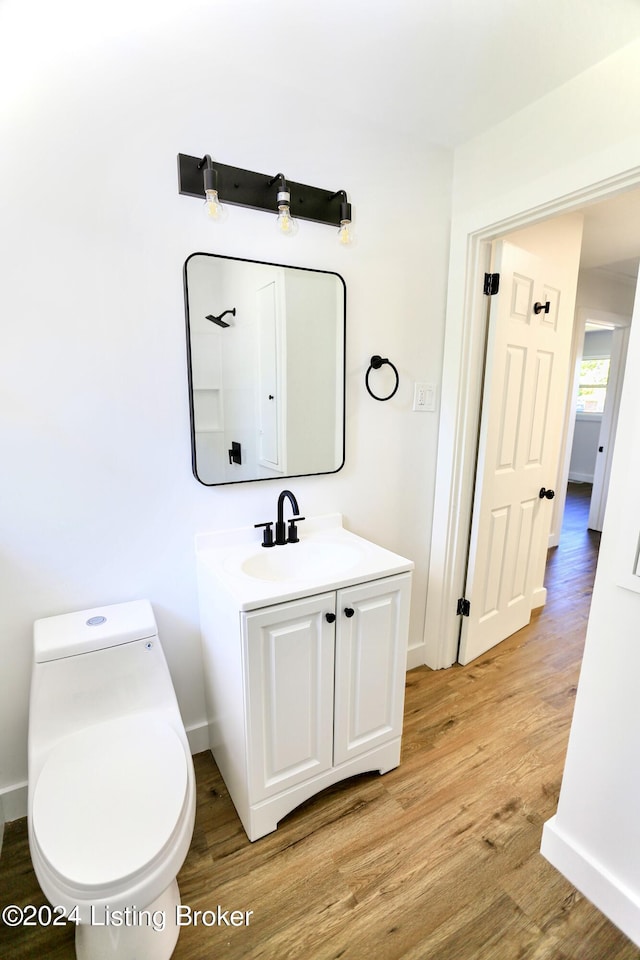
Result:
{"points": [[267, 536], [293, 530]]}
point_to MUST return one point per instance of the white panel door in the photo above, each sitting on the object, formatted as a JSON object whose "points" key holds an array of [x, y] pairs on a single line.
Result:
{"points": [[371, 664], [269, 376], [290, 664], [522, 417]]}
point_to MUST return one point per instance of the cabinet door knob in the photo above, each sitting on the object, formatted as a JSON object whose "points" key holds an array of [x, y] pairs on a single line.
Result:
{"points": [[330, 617], [349, 611]]}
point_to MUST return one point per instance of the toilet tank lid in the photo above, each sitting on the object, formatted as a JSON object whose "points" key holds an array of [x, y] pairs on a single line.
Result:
{"points": [[70, 634]]}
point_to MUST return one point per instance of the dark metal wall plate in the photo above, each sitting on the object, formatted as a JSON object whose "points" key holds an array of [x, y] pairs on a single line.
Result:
{"points": [[248, 189]]}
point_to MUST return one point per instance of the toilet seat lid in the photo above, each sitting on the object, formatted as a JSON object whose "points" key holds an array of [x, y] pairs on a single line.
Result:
{"points": [[109, 798]]}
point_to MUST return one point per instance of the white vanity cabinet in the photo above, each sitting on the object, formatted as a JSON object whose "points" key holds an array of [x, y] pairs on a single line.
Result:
{"points": [[308, 691], [321, 693]]}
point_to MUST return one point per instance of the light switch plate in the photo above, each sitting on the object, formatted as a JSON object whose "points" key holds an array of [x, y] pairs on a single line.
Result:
{"points": [[424, 397]]}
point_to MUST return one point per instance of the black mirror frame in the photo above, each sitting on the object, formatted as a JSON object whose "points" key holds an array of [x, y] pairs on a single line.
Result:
{"points": [[267, 263]]}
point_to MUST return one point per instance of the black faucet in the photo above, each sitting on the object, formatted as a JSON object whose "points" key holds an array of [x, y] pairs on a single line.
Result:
{"points": [[281, 532]]}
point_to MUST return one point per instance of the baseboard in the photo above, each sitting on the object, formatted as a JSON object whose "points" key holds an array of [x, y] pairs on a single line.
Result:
{"points": [[13, 802], [539, 598], [415, 657], [581, 477], [198, 737], [598, 885]]}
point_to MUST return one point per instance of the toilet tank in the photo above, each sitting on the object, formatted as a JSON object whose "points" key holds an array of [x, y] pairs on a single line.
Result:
{"points": [[71, 634], [95, 665]]}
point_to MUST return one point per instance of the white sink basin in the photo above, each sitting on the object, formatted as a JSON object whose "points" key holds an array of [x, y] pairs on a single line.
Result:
{"points": [[327, 557], [300, 561]]}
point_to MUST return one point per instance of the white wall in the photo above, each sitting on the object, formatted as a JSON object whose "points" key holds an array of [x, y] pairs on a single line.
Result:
{"points": [[591, 135], [595, 836], [584, 448], [597, 343], [598, 290], [97, 500]]}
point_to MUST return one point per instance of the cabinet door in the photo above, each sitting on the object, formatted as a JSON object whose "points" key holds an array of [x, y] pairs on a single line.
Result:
{"points": [[371, 663], [289, 651]]}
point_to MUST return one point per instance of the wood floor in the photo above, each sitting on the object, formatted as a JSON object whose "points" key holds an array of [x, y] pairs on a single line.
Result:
{"points": [[437, 860]]}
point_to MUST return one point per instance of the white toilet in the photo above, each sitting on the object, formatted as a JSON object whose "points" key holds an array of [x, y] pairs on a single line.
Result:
{"points": [[111, 781]]}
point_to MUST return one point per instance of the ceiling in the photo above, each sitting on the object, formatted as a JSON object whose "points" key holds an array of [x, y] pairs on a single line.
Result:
{"points": [[438, 70], [611, 236], [444, 70]]}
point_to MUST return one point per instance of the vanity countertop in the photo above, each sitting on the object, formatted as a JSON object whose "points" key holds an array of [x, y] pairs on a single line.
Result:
{"points": [[327, 557]]}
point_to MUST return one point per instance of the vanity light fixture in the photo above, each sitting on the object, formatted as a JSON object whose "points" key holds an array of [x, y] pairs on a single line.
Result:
{"points": [[220, 185], [213, 207]]}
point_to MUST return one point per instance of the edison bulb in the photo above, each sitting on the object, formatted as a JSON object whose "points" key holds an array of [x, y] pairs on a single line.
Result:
{"points": [[286, 224], [212, 206], [345, 236]]}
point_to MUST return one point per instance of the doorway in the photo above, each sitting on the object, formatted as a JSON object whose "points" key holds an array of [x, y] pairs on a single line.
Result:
{"points": [[597, 391], [528, 353], [454, 483], [511, 528]]}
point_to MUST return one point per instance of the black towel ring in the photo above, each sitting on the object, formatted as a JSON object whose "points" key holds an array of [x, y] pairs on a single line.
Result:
{"points": [[376, 363]]}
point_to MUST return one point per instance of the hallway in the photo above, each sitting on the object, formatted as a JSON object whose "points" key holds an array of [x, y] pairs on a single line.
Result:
{"points": [[571, 565]]}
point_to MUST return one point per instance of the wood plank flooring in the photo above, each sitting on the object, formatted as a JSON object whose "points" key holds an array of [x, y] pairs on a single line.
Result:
{"points": [[437, 860]]}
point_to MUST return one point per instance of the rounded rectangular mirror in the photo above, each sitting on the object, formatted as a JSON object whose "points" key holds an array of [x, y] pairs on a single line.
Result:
{"points": [[266, 367]]}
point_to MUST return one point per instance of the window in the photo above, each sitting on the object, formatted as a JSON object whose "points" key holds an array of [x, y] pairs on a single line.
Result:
{"points": [[592, 384]]}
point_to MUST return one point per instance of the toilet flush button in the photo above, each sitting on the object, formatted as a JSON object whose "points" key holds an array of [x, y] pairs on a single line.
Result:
{"points": [[95, 621]]}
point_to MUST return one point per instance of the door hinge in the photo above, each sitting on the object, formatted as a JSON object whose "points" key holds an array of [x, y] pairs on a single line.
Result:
{"points": [[491, 284], [464, 607]]}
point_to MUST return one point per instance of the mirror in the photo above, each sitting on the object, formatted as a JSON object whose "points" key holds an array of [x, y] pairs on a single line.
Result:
{"points": [[266, 359]]}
